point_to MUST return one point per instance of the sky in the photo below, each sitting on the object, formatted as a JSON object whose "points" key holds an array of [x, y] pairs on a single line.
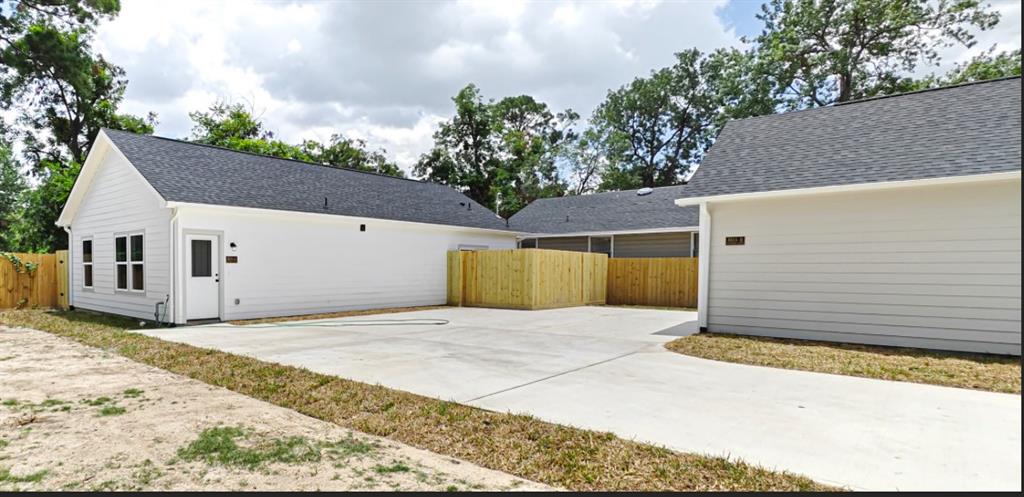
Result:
{"points": [[385, 71]]}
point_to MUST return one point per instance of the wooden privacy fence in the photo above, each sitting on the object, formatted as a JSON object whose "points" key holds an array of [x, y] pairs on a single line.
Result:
{"points": [[667, 281], [34, 280], [526, 278]]}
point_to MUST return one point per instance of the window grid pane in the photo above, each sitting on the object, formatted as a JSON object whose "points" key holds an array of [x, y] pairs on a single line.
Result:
{"points": [[136, 248], [122, 276], [138, 277], [86, 250], [88, 275], [121, 249]]}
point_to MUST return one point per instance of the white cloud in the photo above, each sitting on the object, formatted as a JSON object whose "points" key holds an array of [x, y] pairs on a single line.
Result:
{"points": [[386, 71]]}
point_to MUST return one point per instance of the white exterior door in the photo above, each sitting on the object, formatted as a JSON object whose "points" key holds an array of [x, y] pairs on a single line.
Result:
{"points": [[202, 287]]}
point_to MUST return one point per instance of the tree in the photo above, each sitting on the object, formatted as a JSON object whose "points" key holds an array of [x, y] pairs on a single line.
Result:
{"points": [[988, 65], [819, 52], [235, 127], [12, 191], [530, 141], [585, 159], [37, 231], [63, 91], [502, 154], [656, 128], [63, 95]]}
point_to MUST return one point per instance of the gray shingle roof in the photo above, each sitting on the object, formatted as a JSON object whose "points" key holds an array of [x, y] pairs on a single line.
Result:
{"points": [[609, 211], [953, 131], [189, 172]]}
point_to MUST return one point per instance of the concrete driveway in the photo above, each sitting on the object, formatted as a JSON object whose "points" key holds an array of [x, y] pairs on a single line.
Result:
{"points": [[604, 368]]}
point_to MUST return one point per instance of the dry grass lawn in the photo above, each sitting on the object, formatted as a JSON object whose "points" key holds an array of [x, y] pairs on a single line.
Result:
{"points": [[951, 369], [563, 456]]}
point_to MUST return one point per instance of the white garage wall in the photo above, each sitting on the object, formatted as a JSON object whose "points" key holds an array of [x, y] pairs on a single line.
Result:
{"points": [[934, 267], [291, 264], [118, 201]]}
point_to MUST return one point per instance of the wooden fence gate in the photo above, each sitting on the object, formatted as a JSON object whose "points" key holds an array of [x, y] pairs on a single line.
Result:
{"points": [[34, 280]]}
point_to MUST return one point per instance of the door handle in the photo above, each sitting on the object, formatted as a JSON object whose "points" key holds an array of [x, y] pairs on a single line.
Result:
{"points": [[216, 278]]}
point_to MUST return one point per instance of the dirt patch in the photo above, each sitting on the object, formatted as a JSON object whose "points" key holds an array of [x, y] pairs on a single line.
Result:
{"points": [[78, 418]]}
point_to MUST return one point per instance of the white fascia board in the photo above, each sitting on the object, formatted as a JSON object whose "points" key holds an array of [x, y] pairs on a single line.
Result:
{"points": [[97, 153], [860, 187], [648, 231], [327, 217]]}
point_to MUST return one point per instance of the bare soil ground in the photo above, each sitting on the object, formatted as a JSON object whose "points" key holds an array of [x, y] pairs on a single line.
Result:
{"points": [[78, 418]]}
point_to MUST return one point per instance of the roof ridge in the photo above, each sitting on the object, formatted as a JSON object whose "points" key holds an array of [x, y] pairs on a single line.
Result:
{"points": [[875, 98], [254, 154]]}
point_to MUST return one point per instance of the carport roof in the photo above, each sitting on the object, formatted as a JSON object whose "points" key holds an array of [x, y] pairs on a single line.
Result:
{"points": [[962, 130], [187, 172]]}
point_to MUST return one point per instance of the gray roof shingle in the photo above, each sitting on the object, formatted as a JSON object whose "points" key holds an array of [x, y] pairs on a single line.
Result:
{"points": [[609, 211], [188, 172], [953, 131]]}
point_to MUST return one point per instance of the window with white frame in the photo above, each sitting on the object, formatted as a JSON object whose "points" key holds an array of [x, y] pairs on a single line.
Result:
{"points": [[87, 263], [129, 262]]}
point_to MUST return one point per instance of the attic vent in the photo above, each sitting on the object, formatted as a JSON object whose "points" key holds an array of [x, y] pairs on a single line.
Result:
{"points": [[644, 191]]}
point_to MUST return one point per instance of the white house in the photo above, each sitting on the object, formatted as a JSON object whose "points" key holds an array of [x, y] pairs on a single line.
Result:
{"points": [[892, 221], [181, 231]]}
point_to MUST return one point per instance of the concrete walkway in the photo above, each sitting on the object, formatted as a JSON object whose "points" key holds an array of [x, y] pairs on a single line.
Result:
{"points": [[604, 368]]}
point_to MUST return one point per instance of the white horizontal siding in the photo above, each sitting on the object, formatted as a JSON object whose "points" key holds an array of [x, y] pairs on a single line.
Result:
{"points": [[119, 201], [291, 264], [935, 267]]}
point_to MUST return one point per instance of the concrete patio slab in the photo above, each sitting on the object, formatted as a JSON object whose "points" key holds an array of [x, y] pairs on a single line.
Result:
{"points": [[604, 368]]}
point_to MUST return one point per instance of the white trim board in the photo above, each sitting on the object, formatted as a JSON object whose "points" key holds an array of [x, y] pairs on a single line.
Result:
{"points": [[947, 180]]}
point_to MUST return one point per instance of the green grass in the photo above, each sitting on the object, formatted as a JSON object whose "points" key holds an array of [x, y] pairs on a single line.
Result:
{"points": [[396, 467], [112, 411], [133, 393], [98, 401], [7, 477], [231, 446], [558, 455], [951, 369]]}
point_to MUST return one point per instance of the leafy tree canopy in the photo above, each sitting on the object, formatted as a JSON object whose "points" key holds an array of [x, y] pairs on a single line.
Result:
{"points": [[819, 52], [502, 154], [655, 129], [63, 94], [235, 127], [12, 191]]}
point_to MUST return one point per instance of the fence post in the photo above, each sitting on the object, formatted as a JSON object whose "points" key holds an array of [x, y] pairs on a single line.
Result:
{"points": [[63, 266], [455, 278]]}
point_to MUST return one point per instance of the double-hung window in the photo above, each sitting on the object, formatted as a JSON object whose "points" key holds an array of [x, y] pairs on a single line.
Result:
{"points": [[129, 262], [87, 263]]}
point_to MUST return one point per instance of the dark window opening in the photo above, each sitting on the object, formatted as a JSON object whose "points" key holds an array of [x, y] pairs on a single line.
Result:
{"points": [[202, 265]]}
